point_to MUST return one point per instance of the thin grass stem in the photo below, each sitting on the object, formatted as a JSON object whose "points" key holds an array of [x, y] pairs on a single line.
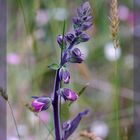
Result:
{"points": [[117, 97], [50, 131], [11, 109], [24, 17]]}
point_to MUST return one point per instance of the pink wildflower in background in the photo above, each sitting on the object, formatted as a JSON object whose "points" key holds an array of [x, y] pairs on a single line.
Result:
{"points": [[13, 59]]}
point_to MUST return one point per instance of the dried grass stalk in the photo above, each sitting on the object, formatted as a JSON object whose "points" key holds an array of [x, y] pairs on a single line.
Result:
{"points": [[114, 23], [89, 135]]}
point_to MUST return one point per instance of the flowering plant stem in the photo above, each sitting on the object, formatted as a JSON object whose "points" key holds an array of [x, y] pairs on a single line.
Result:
{"points": [[56, 108], [56, 103], [69, 54]]}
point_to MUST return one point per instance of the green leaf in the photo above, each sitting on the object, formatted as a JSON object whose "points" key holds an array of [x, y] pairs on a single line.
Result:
{"points": [[83, 89], [54, 66]]}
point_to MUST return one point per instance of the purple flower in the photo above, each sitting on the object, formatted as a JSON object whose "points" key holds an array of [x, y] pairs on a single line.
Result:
{"points": [[78, 32], [70, 126], [76, 20], [76, 56], [86, 25], [76, 52], [69, 37], [41, 103], [60, 40], [68, 94], [64, 75], [84, 37], [13, 58]]}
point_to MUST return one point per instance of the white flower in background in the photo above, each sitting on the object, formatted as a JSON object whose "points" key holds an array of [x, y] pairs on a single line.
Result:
{"points": [[123, 12], [100, 128], [110, 53], [13, 58], [60, 14], [42, 17]]}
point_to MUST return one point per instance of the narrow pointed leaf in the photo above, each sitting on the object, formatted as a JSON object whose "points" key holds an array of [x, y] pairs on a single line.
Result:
{"points": [[54, 66], [81, 92]]}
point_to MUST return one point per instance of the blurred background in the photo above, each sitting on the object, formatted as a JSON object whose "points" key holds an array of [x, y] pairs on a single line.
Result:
{"points": [[33, 26]]}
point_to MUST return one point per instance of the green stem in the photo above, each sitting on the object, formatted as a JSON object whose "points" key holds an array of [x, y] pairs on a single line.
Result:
{"points": [[117, 98]]}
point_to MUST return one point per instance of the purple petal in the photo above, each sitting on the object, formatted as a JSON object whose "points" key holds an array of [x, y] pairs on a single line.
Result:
{"points": [[89, 18], [68, 94], [41, 103], [76, 56], [76, 20], [64, 75], [86, 25], [84, 37], [73, 124], [86, 6], [84, 9], [76, 52], [60, 40], [70, 37], [35, 97], [37, 106], [78, 32]]}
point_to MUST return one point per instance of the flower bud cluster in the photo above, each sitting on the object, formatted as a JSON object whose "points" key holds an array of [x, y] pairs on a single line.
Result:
{"points": [[81, 22]]}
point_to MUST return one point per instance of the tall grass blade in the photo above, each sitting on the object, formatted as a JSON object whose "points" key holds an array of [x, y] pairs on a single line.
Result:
{"points": [[11, 109]]}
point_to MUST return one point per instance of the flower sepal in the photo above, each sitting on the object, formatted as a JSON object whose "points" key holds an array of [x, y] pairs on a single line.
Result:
{"points": [[54, 66]]}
